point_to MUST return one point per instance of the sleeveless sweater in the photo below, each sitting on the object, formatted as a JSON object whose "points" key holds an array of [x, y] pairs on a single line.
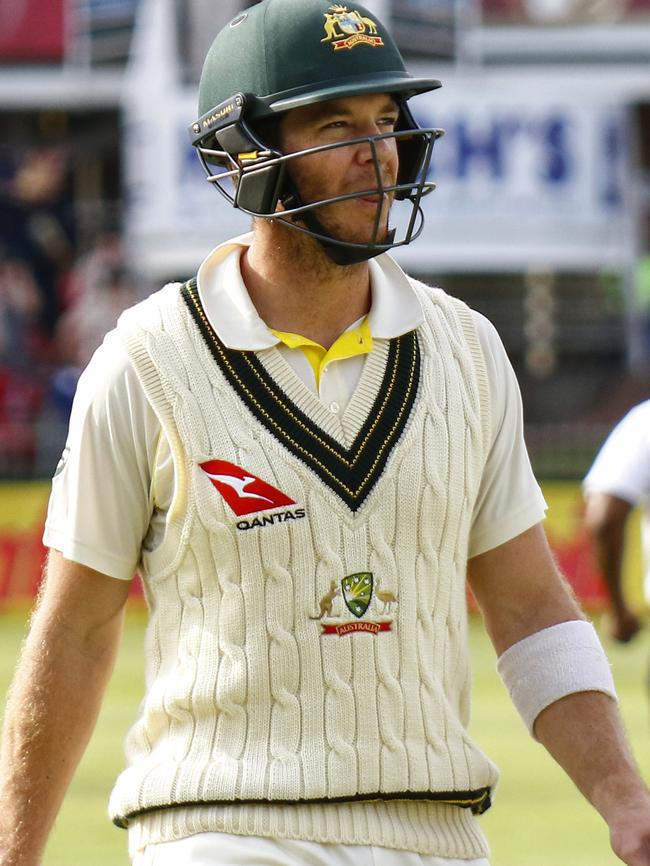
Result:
{"points": [[306, 655]]}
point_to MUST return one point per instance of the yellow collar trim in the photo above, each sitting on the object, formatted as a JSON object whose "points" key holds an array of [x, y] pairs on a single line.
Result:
{"points": [[357, 341]]}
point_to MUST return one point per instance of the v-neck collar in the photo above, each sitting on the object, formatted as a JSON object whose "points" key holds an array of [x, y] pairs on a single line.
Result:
{"points": [[343, 427], [351, 472]]}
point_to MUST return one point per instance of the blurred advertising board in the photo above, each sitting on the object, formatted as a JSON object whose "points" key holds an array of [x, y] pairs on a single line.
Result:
{"points": [[31, 30], [23, 506], [527, 178], [529, 175], [22, 513]]}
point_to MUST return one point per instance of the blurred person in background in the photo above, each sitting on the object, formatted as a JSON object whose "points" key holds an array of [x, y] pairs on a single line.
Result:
{"points": [[100, 287], [20, 313], [35, 219], [23, 347], [618, 481], [84, 325]]}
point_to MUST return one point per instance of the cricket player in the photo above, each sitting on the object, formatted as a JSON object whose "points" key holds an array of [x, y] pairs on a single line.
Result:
{"points": [[618, 481], [306, 454]]}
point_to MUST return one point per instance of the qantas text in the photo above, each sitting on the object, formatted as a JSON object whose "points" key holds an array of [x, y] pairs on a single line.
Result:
{"points": [[271, 519]]}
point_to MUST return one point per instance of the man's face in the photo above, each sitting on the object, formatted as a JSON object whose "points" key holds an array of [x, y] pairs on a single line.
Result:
{"points": [[344, 169]]}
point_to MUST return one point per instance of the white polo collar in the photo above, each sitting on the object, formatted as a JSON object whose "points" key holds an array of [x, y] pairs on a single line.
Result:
{"points": [[395, 308]]}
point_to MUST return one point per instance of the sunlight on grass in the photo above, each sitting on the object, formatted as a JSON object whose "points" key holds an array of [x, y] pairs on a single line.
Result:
{"points": [[538, 818]]}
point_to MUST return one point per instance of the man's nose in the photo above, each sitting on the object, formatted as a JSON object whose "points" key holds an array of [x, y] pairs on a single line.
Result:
{"points": [[382, 147]]}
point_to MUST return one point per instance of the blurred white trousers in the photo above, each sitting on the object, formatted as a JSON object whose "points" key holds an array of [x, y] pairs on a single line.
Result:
{"points": [[222, 849]]}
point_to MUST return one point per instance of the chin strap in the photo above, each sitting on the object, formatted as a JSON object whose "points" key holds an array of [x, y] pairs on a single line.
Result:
{"points": [[334, 249]]}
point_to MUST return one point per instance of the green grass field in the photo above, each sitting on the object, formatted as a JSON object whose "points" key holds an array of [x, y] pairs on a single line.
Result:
{"points": [[538, 818]]}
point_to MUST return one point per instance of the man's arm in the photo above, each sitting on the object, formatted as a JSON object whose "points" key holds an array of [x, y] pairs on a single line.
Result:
{"points": [[520, 592], [54, 701], [605, 518]]}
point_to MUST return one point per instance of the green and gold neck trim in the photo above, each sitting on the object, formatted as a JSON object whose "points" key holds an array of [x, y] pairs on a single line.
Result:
{"points": [[351, 473]]}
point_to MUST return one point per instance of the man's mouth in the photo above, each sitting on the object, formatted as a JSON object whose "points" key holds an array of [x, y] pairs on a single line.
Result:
{"points": [[375, 198]]}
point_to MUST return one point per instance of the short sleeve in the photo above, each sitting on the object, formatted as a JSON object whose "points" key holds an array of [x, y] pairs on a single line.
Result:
{"points": [[510, 500], [101, 503], [622, 466]]}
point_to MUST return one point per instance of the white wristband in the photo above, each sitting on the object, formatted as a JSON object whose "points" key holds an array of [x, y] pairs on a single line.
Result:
{"points": [[552, 663]]}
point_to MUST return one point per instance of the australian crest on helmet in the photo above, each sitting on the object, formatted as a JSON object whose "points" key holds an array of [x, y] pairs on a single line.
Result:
{"points": [[345, 28]]}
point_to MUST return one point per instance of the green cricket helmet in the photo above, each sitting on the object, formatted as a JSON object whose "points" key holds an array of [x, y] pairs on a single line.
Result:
{"points": [[283, 54]]}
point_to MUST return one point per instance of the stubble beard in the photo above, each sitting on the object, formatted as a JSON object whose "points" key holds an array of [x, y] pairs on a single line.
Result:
{"points": [[301, 250], [333, 217], [344, 229], [339, 227], [296, 251]]}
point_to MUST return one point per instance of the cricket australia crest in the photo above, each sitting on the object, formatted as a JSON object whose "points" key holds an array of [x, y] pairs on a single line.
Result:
{"points": [[355, 594], [345, 28]]}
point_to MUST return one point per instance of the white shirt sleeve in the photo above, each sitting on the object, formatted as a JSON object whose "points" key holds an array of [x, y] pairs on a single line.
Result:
{"points": [[101, 500], [622, 467], [510, 500]]}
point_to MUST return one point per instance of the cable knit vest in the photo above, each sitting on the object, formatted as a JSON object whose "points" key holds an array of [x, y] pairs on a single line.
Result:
{"points": [[306, 656]]}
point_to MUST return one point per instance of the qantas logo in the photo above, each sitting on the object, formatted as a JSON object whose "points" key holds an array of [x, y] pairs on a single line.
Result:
{"points": [[244, 492]]}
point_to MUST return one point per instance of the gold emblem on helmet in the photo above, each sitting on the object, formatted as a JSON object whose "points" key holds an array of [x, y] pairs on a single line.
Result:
{"points": [[345, 28]]}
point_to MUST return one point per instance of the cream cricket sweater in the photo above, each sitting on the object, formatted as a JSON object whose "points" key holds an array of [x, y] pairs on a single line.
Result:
{"points": [[307, 666]]}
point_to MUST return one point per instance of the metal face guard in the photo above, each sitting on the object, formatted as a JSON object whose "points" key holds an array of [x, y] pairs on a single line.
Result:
{"points": [[257, 180]]}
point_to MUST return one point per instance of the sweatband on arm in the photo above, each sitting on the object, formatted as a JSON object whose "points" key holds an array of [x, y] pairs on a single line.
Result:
{"points": [[552, 663]]}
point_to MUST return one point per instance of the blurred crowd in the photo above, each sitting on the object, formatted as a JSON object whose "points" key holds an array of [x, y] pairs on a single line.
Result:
{"points": [[60, 291]]}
